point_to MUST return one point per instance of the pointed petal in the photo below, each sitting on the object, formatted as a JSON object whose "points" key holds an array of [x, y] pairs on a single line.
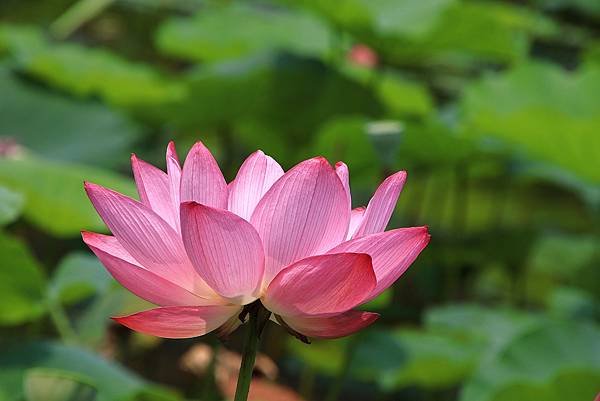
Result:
{"points": [[179, 321], [135, 278], [356, 218], [144, 235], [336, 326], [108, 244], [154, 189], [225, 250], [174, 173], [382, 205], [202, 180], [392, 253], [255, 177], [318, 285], [344, 174], [303, 214]]}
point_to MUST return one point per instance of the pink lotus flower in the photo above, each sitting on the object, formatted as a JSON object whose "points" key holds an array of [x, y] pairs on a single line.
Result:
{"points": [[201, 249]]}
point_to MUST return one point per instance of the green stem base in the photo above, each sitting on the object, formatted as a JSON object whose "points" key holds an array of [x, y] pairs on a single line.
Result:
{"points": [[258, 317]]}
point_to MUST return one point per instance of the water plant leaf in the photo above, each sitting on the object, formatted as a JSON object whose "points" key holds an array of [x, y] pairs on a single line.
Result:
{"points": [[62, 128], [54, 196], [549, 114], [22, 283], [240, 30], [56, 385]]}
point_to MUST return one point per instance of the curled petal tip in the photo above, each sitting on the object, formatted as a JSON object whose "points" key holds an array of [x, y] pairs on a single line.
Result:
{"points": [[198, 144], [90, 186], [399, 175], [89, 235], [424, 230], [320, 160], [119, 320], [171, 150]]}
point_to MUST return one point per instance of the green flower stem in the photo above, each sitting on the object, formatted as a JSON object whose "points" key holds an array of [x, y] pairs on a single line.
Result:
{"points": [[61, 322], [258, 318]]}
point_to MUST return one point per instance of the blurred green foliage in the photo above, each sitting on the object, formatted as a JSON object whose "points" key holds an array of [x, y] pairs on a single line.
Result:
{"points": [[492, 106]]}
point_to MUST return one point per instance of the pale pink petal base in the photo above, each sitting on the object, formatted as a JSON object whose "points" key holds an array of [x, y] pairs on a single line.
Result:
{"points": [[332, 327], [325, 284], [225, 250], [229, 327], [179, 321]]}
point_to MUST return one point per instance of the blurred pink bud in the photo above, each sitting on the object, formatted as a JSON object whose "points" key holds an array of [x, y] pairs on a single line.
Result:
{"points": [[10, 148], [363, 55]]}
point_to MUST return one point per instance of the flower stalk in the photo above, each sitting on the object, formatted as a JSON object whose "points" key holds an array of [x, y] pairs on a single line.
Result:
{"points": [[258, 317]]}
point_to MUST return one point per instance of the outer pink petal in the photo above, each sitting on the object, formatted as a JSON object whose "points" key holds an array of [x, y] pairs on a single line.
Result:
{"points": [[382, 205], [179, 321], [145, 236], [303, 214], [202, 180], [344, 174], [225, 250], [135, 278], [154, 189], [255, 177], [333, 326], [174, 173], [356, 218], [318, 285], [392, 253]]}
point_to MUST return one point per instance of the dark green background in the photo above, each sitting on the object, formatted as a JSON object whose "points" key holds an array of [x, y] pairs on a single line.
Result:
{"points": [[493, 108]]}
